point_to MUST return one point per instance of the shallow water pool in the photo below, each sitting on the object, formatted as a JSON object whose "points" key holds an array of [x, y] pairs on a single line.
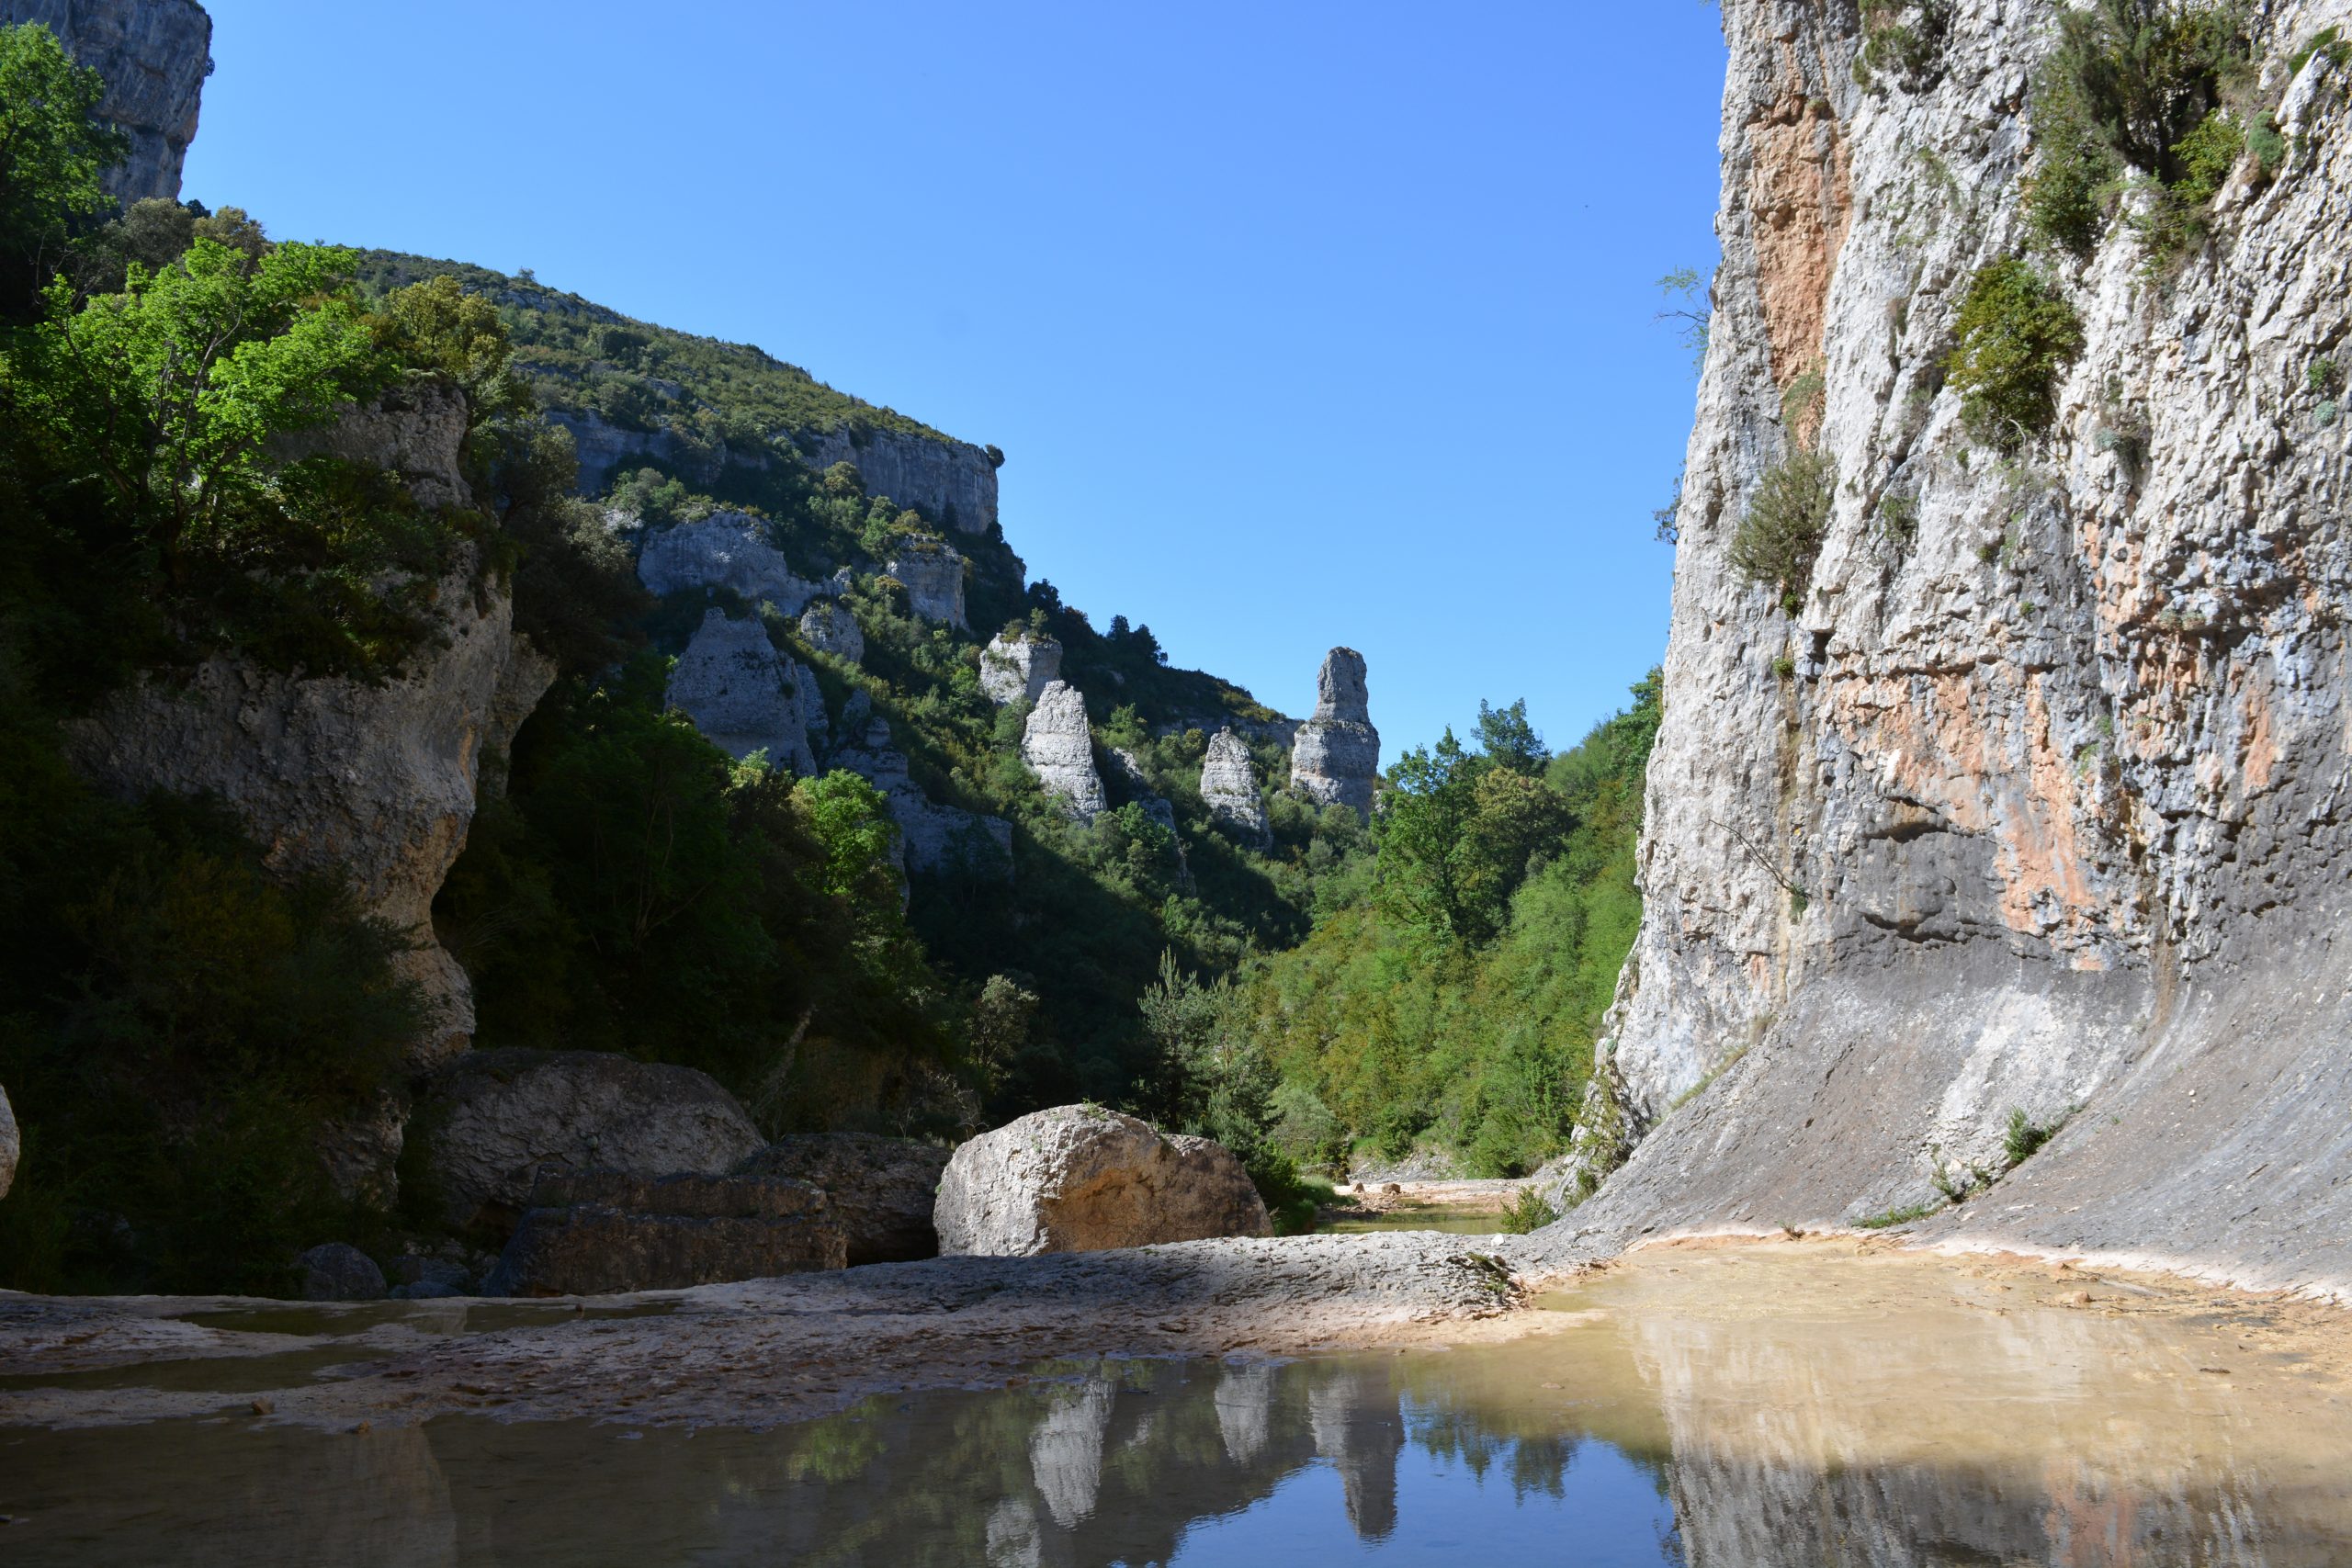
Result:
{"points": [[1712, 1409]]}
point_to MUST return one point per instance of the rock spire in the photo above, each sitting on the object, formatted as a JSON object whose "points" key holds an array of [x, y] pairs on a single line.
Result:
{"points": [[1336, 755], [1230, 789], [1058, 746]]}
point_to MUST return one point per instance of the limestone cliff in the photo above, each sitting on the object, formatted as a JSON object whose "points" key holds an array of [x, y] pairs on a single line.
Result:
{"points": [[1335, 756], [377, 782], [951, 482], [932, 574], [1018, 667], [744, 695], [154, 55], [2033, 798]]}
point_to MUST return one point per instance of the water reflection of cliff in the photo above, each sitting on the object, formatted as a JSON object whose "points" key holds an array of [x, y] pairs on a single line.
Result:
{"points": [[1946, 1432]]}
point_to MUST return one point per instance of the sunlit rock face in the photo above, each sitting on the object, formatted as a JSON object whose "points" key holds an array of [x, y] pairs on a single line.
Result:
{"points": [[1230, 789], [932, 574], [1058, 745], [2027, 800], [951, 482], [1079, 1179], [745, 694], [154, 56], [1018, 669], [1335, 756]]}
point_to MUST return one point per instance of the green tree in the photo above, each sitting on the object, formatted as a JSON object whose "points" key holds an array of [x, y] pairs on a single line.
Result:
{"points": [[1508, 740], [53, 150], [169, 392]]}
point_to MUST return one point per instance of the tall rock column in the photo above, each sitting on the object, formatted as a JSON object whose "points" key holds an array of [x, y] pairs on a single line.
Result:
{"points": [[1230, 789], [1058, 746], [1336, 755]]}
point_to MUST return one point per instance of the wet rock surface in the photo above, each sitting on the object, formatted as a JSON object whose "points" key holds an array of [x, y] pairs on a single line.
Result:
{"points": [[597, 1232], [1077, 1179], [879, 1191], [492, 1118]]}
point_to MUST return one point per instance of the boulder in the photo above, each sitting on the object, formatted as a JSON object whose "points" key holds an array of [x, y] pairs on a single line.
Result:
{"points": [[745, 694], [880, 1190], [493, 1117], [1230, 789], [726, 549], [11, 1144], [932, 574], [596, 1232], [829, 627], [1017, 668], [1058, 745], [1078, 1178], [338, 1271], [1335, 756]]}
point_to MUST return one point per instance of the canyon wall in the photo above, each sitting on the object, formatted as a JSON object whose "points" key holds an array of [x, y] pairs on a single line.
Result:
{"points": [[154, 55], [2033, 798]]}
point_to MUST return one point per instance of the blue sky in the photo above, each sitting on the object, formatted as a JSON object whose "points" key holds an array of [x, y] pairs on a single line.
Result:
{"points": [[1301, 324]]}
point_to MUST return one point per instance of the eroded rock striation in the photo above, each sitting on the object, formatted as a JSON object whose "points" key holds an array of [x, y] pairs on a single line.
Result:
{"points": [[1018, 667], [932, 574], [951, 482], [1079, 1178], [745, 694], [879, 1191], [154, 56], [1230, 789], [490, 1119], [1058, 745], [1335, 756], [2032, 803]]}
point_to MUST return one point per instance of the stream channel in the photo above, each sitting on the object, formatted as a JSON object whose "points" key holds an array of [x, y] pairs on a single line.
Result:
{"points": [[1706, 1407]]}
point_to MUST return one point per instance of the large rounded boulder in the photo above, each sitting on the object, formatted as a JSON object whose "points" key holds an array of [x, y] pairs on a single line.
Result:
{"points": [[1079, 1178], [492, 1118]]}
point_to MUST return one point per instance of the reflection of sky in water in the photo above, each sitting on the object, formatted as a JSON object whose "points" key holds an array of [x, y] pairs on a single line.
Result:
{"points": [[1724, 1409], [1606, 1511]]}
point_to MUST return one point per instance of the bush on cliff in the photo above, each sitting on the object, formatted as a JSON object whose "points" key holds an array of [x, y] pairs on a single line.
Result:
{"points": [[2017, 335]]}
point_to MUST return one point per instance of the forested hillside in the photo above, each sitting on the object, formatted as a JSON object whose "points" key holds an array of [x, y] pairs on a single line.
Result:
{"points": [[219, 464]]}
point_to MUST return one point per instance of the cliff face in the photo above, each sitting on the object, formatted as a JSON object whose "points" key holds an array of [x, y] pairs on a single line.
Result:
{"points": [[377, 782], [154, 55], [2036, 800]]}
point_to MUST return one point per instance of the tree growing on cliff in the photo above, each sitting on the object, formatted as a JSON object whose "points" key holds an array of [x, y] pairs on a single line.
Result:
{"points": [[53, 149]]}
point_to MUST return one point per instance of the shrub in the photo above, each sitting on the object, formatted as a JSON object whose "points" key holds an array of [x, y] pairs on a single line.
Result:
{"points": [[1779, 536], [1904, 38], [2132, 83], [2016, 335], [1527, 1213], [2023, 1137]]}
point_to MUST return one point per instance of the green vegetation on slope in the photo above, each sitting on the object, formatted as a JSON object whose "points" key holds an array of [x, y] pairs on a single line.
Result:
{"points": [[1450, 998]]}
